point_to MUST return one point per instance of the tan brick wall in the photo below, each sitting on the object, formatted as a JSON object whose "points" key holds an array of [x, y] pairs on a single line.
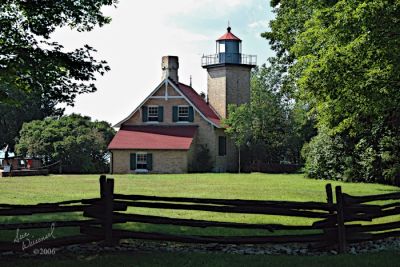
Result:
{"points": [[221, 162], [216, 89], [205, 136], [228, 85], [136, 119], [164, 161], [238, 85]]}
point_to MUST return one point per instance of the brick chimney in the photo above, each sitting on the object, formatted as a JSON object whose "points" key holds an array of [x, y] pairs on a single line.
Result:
{"points": [[170, 66]]}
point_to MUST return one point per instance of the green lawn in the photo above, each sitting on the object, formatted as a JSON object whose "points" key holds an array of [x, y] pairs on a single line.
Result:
{"points": [[54, 188], [32, 190]]}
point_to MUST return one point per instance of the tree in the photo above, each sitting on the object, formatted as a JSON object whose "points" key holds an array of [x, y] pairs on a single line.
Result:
{"points": [[78, 143], [343, 58], [270, 108], [238, 126], [37, 74], [274, 126]]}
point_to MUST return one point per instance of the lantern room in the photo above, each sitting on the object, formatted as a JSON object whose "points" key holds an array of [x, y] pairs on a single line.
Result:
{"points": [[229, 43], [228, 51]]}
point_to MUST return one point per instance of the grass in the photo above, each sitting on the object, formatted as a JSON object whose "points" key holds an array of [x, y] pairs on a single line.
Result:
{"points": [[31, 190], [159, 259], [54, 188]]}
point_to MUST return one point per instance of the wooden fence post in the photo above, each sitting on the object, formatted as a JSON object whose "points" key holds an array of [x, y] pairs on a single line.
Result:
{"points": [[102, 186], [340, 220], [108, 211], [329, 195]]}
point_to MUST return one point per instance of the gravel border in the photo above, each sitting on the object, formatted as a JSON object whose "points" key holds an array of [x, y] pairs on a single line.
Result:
{"points": [[127, 245]]}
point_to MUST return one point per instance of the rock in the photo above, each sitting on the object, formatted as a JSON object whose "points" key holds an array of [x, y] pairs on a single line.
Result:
{"points": [[8, 253], [334, 252]]}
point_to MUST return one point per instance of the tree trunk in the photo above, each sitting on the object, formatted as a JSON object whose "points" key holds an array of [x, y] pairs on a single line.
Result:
{"points": [[239, 160]]}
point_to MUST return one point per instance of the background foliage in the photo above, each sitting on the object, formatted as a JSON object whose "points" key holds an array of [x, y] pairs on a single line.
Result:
{"points": [[272, 128], [37, 74], [343, 60], [77, 142]]}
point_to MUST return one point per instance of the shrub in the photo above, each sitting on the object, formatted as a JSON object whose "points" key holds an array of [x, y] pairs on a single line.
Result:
{"points": [[202, 162]]}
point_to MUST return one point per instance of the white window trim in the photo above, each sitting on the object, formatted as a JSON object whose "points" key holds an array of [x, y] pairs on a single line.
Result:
{"points": [[148, 114], [137, 155], [186, 106]]}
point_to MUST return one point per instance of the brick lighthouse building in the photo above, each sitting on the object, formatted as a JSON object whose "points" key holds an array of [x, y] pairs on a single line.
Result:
{"points": [[174, 124]]}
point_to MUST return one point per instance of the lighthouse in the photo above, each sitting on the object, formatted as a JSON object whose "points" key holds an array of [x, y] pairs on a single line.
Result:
{"points": [[228, 73]]}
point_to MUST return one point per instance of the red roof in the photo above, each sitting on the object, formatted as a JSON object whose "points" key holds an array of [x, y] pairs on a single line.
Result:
{"points": [[154, 137], [200, 103], [228, 36]]}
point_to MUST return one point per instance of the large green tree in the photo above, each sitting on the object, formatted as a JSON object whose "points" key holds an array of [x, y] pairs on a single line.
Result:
{"points": [[343, 58], [37, 74], [273, 126], [79, 144]]}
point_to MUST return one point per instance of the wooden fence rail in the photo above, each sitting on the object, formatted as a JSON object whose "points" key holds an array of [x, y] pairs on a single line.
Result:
{"points": [[336, 224]]}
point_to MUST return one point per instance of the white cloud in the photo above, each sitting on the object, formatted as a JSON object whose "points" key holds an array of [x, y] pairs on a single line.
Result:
{"points": [[133, 44], [261, 24]]}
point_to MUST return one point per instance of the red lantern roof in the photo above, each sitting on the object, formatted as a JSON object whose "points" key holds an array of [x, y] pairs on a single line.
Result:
{"points": [[229, 36]]}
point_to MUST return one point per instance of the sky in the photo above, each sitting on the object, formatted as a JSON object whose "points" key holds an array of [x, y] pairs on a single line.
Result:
{"points": [[141, 32]]}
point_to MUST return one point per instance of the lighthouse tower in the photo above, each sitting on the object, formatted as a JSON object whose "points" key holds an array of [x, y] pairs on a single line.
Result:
{"points": [[228, 73]]}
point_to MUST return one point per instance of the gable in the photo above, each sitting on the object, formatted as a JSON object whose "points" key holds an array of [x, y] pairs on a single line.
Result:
{"points": [[168, 94]]}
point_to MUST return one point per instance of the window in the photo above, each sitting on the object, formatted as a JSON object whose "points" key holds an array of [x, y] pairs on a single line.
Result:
{"points": [[221, 146], [141, 161], [222, 48], [183, 113], [152, 113]]}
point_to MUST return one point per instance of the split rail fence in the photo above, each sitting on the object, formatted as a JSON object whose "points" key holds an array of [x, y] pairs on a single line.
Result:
{"points": [[336, 223]]}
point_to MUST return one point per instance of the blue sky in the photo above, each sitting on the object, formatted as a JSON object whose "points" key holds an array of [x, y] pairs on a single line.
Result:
{"points": [[140, 34]]}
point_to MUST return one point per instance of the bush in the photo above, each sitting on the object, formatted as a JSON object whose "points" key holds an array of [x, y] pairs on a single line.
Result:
{"points": [[324, 157], [373, 158], [202, 162]]}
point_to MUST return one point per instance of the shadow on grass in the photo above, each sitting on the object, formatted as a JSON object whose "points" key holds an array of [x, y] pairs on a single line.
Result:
{"points": [[34, 234], [390, 190], [158, 259]]}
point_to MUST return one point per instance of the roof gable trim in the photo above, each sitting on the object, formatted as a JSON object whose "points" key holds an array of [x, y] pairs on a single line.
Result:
{"points": [[176, 88]]}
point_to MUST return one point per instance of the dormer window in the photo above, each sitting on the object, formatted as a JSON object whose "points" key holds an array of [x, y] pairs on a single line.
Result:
{"points": [[152, 113], [183, 113]]}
